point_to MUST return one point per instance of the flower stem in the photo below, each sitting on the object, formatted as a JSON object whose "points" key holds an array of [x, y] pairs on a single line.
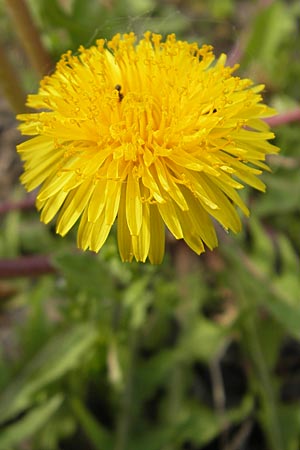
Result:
{"points": [[272, 422], [11, 84], [185, 263], [29, 36], [125, 415]]}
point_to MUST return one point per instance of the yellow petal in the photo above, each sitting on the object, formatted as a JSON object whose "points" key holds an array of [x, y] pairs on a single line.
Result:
{"points": [[141, 243], [98, 201], [168, 213], [134, 213], [157, 236], [124, 237], [75, 203], [113, 194], [51, 206]]}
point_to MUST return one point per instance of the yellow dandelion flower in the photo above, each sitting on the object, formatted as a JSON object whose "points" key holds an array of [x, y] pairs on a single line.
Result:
{"points": [[147, 134]]}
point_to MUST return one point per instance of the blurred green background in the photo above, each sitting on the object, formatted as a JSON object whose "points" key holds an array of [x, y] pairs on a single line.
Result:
{"points": [[198, 353]]}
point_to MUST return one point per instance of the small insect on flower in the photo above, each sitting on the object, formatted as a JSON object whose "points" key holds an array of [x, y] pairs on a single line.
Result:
{"points": [[148, 134], [118, 88]]}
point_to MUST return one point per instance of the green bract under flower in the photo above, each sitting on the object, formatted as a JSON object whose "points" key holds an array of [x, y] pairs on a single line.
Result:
{"points": [[149, 134]]}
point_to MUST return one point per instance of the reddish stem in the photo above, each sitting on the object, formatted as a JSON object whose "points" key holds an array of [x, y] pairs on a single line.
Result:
{"points": [[26, 203], [26, 266], [284, 118]]}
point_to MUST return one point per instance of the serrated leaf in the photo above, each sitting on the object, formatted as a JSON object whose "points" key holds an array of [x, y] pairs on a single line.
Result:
{"points": [[84, 272], [137, 298], [272, 26], [199, 426], [202, 341], [157, 439], [96, 433], [263, 252], [154, 372], [289, 416], [62, 353], [286, 314], [278, 199], [30, 424], [287, 280]]}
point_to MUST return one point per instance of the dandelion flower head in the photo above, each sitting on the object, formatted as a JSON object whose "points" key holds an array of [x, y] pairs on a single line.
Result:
{"points": [[150, 134]]}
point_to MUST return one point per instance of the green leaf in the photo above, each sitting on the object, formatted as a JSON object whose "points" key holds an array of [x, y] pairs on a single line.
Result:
{"points": [[30, 424], [288, 279], [61, 354], [286, 314], [263, 252], [203, 424], [96, 433], [289, 416], [94, 282], [141, 6], [199, 425], [137, 298], [153, 372], [277, 292], [278, 199], [202, 341], [156, 439], [272, 26]]}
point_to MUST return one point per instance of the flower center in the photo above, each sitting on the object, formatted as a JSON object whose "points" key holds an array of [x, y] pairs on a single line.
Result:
{"points": [[141, 128]]}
